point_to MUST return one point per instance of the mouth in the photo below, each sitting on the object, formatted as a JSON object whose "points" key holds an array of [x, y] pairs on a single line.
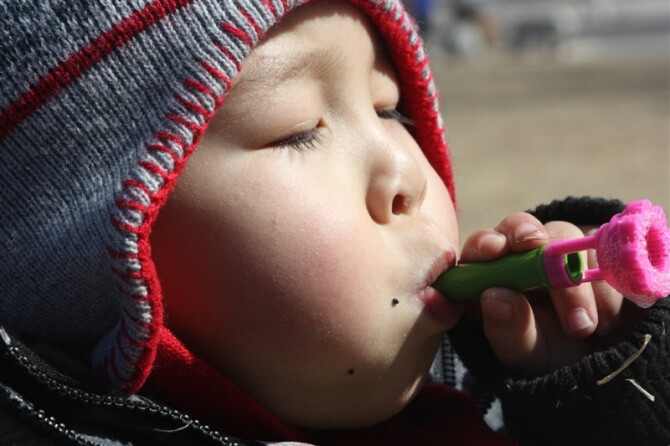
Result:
{"points": [[445, 312], [440, 265]]}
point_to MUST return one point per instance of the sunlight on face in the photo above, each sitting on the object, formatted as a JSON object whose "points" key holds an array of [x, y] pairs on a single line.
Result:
{"points": [[297, 251]]}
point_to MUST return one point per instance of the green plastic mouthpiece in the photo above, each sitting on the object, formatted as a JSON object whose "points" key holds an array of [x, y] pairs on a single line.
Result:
{"points": [[522, 271]]}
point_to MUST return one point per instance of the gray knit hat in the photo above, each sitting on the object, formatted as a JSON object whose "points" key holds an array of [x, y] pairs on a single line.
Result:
{"points": [[101, 102]]}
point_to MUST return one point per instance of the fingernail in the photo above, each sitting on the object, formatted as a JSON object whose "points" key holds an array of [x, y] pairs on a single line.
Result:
{"points": [[498, 307], [579, 320], [526, 232]]}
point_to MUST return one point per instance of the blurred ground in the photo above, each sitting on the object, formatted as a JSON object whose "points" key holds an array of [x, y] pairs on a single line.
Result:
{"points": [[528, 128]]}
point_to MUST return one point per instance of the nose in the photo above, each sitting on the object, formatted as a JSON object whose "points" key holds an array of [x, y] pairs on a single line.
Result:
{"points": [[397, 184]]}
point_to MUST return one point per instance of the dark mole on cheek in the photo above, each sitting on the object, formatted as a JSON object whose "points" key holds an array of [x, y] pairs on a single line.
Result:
{"points": [[394, 302], [351, 371]]}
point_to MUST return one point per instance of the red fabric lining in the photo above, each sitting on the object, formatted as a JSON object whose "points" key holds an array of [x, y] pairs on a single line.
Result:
{"points": [[186, 381], [439, 415]]}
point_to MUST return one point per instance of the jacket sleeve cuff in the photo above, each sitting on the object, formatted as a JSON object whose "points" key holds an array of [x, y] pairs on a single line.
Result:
{"points": [[617, 396]]}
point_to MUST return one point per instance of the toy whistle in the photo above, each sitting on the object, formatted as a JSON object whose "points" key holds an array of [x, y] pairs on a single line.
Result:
{"points": [[632, 252]]}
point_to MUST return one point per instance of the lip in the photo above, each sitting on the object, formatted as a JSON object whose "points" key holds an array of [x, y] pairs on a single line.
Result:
{"points": [[441, 264], [445, 312]]}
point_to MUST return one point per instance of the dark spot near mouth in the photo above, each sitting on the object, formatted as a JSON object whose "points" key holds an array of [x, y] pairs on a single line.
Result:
{"points": [[351, 371], [394, 302]]}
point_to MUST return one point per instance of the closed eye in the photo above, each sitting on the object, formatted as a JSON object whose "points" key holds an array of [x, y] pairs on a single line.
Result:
{"points": [[307, 140], [394, 114]]}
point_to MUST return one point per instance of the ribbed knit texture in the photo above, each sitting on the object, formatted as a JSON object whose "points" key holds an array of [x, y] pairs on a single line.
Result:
{"points": [[101, 102]]}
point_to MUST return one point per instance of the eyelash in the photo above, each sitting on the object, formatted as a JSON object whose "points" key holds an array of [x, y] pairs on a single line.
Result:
{"points": [[310, 139], [395, 114]]}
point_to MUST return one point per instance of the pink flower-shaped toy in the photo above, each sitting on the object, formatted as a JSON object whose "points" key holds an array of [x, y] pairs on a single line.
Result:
{"points": [[633, 252]]}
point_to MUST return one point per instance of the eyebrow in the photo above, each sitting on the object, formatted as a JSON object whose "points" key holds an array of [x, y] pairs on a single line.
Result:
{"points": [[316, 61]]}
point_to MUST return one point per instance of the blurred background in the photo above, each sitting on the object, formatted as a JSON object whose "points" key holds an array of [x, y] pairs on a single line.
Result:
{"points": [[548, 98]]}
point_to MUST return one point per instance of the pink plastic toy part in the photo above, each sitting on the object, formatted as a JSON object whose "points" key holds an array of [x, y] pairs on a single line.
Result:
{"points": [[633, 253]]}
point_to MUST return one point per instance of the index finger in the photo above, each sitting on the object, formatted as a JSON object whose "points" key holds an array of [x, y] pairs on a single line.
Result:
{"points": [[523, 231]]}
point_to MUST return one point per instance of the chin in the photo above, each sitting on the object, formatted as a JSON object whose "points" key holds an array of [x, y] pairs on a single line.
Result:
{"points": [[361, 407]]}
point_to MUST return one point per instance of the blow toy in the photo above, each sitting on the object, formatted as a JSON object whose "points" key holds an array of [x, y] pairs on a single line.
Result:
{"points": [[632, 251]]}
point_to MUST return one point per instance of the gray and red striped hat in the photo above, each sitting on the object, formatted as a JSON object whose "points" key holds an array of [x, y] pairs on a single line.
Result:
{"points": [[101, 103]]}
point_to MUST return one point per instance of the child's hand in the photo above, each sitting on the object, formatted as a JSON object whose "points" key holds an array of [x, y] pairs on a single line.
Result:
{"points": [[535, 333]]}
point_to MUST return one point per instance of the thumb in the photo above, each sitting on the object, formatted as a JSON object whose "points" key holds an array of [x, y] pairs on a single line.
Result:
{"points": [[509, 326]]}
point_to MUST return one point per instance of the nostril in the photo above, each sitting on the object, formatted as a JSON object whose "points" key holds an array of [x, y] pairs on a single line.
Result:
{"points": [[400, 204]]}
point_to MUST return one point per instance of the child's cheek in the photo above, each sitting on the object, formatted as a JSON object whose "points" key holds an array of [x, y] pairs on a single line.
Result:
{"points": [[326, 269]]}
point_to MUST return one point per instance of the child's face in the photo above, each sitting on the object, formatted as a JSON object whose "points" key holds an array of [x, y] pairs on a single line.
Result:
{"points": [[296, 251]]}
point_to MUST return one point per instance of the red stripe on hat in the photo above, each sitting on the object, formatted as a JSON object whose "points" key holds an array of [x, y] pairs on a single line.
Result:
{"points": [[229, 55], [254, 24], [120, 254], [271, 7], [141, 186], [237, 32], [68, 70], [211, 69], [163, 149]]}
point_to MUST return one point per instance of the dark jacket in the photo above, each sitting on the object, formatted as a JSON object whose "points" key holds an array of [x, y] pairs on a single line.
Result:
{"points": [[39, 405]]}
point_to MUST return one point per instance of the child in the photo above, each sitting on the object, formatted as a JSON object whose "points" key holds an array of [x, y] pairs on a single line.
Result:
{"points": [[280, 290]]}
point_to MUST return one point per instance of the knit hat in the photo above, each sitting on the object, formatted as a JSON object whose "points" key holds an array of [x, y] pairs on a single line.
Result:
{"points": [[101, 103]]}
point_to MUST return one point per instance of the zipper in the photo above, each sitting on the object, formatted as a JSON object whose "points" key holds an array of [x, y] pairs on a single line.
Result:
{"points": [[138, 405]]}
